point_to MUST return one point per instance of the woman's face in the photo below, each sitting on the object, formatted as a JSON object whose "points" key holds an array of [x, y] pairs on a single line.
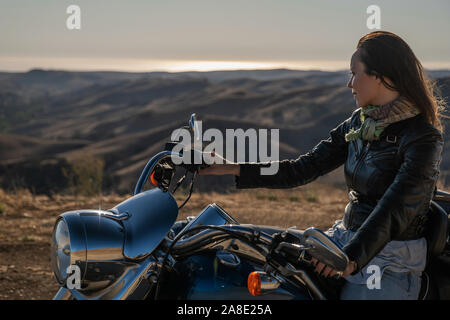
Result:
{"points": [[365, 88]]}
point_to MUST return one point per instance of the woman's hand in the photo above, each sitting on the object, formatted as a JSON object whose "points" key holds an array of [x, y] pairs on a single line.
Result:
{"points": [[227, 167], [326, 271]]}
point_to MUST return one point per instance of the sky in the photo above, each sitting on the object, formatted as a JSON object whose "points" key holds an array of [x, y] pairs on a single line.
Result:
{"points": [[201, 35]]}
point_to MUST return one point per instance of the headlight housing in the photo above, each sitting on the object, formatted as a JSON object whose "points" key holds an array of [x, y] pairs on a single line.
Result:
{"points": [[107, 246], [60, 250], [86, 239], [68, 245]]}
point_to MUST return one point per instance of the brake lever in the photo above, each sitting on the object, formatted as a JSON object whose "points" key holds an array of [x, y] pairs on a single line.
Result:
{"points": [[297, 251], [290, 248]]}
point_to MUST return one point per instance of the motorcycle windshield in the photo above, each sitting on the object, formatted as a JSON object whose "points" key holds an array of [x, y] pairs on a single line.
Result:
{"points": [[151, 215]]}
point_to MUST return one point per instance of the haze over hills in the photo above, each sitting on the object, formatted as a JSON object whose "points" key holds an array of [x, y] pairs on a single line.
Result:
{"points": [[125, 118]]}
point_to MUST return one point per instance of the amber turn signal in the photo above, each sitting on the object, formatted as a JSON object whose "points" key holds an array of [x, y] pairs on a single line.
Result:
{"points": [[254, 283], [152, 179]]}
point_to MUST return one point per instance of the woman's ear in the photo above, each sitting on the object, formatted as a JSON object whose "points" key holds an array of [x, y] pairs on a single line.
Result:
{"points": [[378, 78], [387, 83], [376, 75]]}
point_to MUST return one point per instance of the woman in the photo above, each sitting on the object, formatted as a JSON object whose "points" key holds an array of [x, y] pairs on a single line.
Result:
{"points": [[391, 147]]}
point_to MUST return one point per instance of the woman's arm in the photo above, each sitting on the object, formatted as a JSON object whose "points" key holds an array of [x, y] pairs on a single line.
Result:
{"points": [[407, 197], [324, 157]]}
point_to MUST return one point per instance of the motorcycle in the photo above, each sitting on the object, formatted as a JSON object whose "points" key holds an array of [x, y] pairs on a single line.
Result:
{"points": [[137, 250]]}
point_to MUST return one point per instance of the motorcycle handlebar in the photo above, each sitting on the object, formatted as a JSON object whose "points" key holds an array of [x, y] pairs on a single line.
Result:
{"points": [[291, 249], [209, 236], [202, 239]]}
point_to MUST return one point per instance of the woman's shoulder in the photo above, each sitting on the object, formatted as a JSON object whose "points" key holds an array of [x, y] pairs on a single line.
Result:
{"points": [[419, 129]]}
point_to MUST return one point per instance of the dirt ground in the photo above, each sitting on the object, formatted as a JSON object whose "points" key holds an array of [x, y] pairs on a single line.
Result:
{"points": [[26, 224]]}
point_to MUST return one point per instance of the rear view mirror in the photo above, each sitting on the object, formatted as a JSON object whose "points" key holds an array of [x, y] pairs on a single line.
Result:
{"points": [[321, 247], [193, 126]]}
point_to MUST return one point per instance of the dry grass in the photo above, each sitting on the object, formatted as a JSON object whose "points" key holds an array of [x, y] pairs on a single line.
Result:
{"points": [[315, 204]]}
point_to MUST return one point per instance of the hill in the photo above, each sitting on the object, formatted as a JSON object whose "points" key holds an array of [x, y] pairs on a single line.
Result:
{"points": [[125, 118]]}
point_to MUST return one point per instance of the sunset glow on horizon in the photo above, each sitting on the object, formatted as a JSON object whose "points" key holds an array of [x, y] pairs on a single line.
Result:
{"points": [[24, 64]]}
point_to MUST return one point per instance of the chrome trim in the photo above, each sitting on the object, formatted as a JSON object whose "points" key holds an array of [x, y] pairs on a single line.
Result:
{"points": [[211, 236], [94, 238], [243, 249], [302, 277], [323, 248], [102, 241], [60, 250], [62, 294], [104, 237], [212, 214], [228, 259], [268, 282], [109, 275], [78, 243], [125, 286], [107, 214]]}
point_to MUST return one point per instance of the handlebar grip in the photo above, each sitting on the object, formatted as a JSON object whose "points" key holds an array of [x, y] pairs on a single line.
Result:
{"points": [[192, 166]]}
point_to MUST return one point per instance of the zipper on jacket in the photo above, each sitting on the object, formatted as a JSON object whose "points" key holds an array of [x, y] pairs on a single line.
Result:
{"points": [[357, 148], [358, 163], [381, 154]]}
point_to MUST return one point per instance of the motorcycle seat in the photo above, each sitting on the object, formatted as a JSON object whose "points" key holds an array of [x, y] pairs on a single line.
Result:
{"points": [[436, 233]]}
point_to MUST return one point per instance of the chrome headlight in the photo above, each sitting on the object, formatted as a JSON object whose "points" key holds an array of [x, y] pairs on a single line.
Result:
{"points": [[89, 240], [107, 245], [60, 250], [68, 245]]}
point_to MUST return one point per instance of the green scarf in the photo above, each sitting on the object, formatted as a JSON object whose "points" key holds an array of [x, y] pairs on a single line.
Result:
{"points": [[374, 119]]}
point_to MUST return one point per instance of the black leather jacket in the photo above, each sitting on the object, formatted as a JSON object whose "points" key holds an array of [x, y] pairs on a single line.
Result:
{"points": [[391, 181]]}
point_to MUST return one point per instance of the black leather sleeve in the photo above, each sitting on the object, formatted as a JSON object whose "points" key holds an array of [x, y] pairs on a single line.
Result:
{"points": [[326, 156], [408, 196]]}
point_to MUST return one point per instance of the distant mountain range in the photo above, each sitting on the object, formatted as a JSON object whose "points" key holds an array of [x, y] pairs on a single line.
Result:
{"points": [[125, 118]]}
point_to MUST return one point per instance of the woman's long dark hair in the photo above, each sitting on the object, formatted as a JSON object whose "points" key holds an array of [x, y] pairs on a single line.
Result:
{"points": [[386, 55]]}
